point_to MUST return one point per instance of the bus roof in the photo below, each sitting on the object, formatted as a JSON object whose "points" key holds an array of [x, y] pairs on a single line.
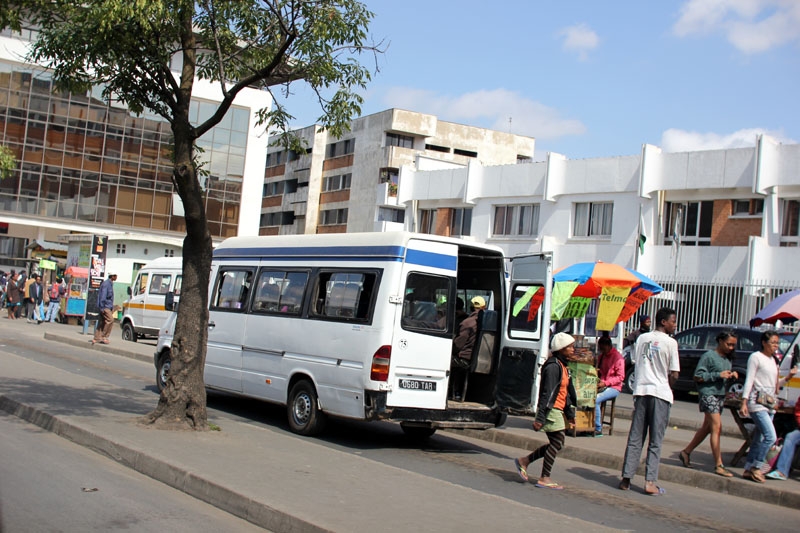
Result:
{"points": [[386, 244]]}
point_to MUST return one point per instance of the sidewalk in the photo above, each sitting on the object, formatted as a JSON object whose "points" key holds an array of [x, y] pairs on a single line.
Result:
{"points": [[264, 490]]}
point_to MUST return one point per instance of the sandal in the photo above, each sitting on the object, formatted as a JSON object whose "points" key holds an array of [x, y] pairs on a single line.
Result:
{"points": [[720, 470], [756, 475], [521, 471], [684, 457], [775, 474], [658, 492], [553, 486], [625, 484]]}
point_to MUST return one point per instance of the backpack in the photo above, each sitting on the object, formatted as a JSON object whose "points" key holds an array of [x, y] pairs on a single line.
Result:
{"points": [[55, 291]]}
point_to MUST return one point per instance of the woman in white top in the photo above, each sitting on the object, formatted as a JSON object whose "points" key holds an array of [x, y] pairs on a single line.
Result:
{"points": [[762, 376]]}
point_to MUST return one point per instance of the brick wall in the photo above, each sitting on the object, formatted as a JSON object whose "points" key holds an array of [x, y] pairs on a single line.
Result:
{"points": [[334, 196], [726, 231]]}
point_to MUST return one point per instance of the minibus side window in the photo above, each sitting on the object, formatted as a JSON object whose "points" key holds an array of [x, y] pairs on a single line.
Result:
{"points": [[525, 311], [159, 283], [280, 292], [141, 287], [425, 304], [178, 284], [344, 295], [233, 288]]}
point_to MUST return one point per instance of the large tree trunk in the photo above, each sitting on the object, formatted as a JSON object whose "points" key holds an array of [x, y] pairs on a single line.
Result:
{"points": [[183, 400]]}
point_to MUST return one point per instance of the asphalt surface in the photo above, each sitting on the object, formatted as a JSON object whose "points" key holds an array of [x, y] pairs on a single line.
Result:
{"points": [[210, 467]]}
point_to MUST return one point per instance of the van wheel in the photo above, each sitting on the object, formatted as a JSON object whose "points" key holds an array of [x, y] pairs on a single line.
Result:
{"points": [[630, 381], [417, 433], [162, 371], [128, 333], [305, 417]]}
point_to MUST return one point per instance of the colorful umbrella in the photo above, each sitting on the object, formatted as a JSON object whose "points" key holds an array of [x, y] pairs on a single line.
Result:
{"points": [[621, 292], [785, 308]]}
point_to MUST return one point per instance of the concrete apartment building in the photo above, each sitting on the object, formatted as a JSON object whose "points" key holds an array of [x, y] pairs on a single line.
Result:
{"points": [[349, 184], [89, 166]]}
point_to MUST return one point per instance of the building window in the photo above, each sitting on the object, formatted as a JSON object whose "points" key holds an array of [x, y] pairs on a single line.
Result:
{"points": [[747, 207], [524, 159], [690, 221], [389, 175], [274, 188], [427, 221], [275, 158], [333, 217], [435, 148], [120, 249], [790, 222], [468, 153], [461, 222], [277, 218], [403, 141], [340, 148], [169, 252], [389, 214], [593, 219], [336, 183], [512, 220]]}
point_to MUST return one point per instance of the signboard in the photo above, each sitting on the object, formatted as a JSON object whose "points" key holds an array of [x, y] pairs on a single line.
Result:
{"points": [[46, 264], [97, 272]]}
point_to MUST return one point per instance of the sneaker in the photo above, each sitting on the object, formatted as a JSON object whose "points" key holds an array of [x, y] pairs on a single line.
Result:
{"points": [[598, 433]]}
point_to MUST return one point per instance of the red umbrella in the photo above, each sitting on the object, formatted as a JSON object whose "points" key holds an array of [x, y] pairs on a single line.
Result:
{"points": [[785, 308]]}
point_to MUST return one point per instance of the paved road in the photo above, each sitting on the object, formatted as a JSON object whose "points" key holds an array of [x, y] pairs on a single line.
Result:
{"points": [[590, 493], [50, 484]]}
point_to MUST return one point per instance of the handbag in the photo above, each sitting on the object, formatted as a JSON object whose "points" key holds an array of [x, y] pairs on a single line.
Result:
{"points": [[765, 399]]}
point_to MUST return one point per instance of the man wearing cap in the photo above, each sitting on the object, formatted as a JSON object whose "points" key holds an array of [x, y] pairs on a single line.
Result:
{"points": [[465, 340], [105, 304]]}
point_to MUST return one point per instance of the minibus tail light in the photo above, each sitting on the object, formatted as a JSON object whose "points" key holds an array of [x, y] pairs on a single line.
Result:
{"points": [[380, 364]]}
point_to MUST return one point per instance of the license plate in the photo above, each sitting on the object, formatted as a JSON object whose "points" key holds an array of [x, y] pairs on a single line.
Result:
{"points": [[416, 384]]}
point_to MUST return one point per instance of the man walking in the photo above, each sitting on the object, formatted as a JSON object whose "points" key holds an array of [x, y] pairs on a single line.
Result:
{"points": [[55, 291], [657, 368], [105, 303], [36, 292]]}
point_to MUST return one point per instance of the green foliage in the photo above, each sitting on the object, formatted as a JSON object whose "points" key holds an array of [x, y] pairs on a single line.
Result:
{"points": [[7, 162]]}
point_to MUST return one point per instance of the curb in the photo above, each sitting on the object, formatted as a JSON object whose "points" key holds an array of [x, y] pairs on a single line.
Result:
{"points": [[108, 348], [674, 474], [190, 483]]}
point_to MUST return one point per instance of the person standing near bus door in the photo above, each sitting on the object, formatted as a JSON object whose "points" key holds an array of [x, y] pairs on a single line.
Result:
{"points": [[557, 398], [464, 343], [657, 368], [105, 303]]}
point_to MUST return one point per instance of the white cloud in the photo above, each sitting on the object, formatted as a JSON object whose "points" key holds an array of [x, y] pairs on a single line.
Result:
{"points": [[675, 140], [752, 26], [579, 38], [490, 109]]}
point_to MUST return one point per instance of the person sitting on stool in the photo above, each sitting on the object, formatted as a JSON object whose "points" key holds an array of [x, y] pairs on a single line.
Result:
{"points": [[611, 374]]}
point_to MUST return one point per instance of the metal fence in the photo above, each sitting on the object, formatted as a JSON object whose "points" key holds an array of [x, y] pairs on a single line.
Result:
{"points": [[720, 301]]}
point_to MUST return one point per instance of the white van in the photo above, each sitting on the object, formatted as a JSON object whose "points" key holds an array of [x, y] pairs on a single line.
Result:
{"points": [[362, 326], [790, 392], [144, 312]]}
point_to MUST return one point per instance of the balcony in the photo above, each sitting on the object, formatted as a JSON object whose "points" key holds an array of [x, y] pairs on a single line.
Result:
{"points": [[386, 194]]}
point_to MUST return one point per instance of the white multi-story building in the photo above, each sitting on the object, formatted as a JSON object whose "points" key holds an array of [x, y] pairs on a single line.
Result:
{"points": [[349, 184]]}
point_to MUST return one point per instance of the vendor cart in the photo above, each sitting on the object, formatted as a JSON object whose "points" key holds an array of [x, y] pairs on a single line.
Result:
{"points": [[73, 304]]}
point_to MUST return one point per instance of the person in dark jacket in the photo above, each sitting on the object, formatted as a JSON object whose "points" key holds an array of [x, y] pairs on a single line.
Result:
{"points": [[36, 295], [105, 304], [557, 398]]}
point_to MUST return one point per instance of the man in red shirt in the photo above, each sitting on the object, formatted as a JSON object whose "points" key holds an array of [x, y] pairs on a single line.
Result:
{"points": [[611, 372]]}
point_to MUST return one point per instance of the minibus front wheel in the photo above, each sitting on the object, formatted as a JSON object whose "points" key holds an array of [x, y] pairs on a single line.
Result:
{"points": [[162, 370], [305, 417]]}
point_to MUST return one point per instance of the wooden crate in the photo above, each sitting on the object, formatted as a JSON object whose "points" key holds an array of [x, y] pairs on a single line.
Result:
{"points": [[584, 421]]}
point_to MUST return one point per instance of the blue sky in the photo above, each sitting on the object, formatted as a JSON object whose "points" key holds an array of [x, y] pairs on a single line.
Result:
{"points": [[589, 78]]}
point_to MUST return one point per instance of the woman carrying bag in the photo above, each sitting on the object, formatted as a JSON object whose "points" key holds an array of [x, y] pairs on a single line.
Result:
{"points": [[760, 388]]}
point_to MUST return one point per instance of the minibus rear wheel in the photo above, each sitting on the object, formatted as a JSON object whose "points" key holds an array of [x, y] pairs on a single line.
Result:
{"points": [[417, 433], [305, 417]]}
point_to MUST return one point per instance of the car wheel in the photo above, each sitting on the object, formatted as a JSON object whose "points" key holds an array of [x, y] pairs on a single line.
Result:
{"points": [[630, 381], [128, 333], [736, 388], [305, 417], [162, 371], [417, 433]]}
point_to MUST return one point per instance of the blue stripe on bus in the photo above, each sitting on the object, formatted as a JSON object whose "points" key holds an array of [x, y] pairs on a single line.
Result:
{"points": [[431, 259]]}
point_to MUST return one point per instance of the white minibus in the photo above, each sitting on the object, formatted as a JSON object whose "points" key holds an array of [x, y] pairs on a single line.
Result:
{"points": [[144, 313], [362, 325]]}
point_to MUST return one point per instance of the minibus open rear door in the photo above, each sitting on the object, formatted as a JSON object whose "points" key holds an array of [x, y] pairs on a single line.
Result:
{"points": [[526, 332], [422, 340]]}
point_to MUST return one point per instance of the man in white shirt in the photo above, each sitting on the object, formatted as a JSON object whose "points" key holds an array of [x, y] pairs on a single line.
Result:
{"points": [[657, 368]]}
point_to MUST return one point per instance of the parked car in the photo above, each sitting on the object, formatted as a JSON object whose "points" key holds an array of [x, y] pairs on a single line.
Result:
{"points": [[694, 342]]}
